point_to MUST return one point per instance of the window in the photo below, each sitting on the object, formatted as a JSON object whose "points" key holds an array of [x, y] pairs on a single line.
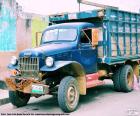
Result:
{"points": [[57, 35], [86, 36]]}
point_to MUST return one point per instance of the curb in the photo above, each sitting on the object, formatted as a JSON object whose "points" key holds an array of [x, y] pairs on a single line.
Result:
{"points": [[4, 101], [4, 98]]}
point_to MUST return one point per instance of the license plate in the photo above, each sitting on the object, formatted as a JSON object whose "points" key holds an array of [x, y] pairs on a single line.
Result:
{"points": [[37, 89]]}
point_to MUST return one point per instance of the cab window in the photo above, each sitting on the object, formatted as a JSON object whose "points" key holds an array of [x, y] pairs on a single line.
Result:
{"points": [[85, 36]]}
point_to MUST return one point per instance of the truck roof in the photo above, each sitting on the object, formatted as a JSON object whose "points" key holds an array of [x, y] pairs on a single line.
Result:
{"points": [[85, 16], [80, 25], [76, 16]]}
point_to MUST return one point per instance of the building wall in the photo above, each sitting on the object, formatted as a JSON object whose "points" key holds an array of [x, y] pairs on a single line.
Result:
{"points": [[7, 26], [15, 34], [23, 34], [38, 24], [18, 31]]}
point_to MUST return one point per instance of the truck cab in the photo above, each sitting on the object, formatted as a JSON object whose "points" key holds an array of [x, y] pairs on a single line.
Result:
{"points": [[71, 42]]}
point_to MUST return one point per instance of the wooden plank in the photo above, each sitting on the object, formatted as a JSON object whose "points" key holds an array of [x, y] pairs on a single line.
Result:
{"points": [[100, 51], [114, 46], [127, 52], [114, 53], [134, 50], [139, 40]]}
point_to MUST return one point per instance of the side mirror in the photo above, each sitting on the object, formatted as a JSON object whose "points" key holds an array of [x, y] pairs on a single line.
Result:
{"points": [[95, 37]]}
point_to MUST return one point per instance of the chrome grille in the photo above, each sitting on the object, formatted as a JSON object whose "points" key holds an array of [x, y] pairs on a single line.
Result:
{"points": [[28, 64]]}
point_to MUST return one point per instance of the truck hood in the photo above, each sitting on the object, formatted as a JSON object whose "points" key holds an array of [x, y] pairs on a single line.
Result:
{"points": [[47, 50]]}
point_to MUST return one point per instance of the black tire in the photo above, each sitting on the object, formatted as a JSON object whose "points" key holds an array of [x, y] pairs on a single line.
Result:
{"points": [[123, 79], [116, 80], [127, 78], [67, 102], [19, 99]]}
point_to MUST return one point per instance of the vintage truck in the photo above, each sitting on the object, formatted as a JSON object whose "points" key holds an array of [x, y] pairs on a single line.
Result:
{"points": [[78, 51]]}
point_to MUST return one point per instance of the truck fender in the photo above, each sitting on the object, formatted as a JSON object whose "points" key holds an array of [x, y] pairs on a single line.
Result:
{"points": [[78, 69], [57, 65]]}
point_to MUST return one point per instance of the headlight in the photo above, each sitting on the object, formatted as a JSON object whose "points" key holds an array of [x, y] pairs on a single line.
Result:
{"points": [[13, 60], [49, 61]]}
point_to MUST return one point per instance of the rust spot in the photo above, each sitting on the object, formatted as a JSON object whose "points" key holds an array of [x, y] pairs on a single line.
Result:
{"points": [[21, 85], [10, 84], [13, 72]]}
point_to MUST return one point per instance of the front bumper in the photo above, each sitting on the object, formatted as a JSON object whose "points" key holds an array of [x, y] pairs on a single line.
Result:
{"points": [[27, 86]]}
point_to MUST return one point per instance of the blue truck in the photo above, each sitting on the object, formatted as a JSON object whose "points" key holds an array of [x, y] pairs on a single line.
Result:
{"points": [[78, 51]]}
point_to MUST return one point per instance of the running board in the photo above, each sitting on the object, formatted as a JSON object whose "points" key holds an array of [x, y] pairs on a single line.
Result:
{"points": [[92, 80]]}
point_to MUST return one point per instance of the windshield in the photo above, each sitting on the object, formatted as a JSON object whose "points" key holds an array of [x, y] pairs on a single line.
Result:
{"points": [[59, 35]]}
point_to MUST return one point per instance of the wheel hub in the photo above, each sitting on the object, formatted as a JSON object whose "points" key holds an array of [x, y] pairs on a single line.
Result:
{"points": [[72, 95], [129, 80]]}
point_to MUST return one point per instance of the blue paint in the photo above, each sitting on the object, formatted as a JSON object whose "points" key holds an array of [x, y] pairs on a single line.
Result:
{"points": [[121, 27], [7, 29], [66, 50]]}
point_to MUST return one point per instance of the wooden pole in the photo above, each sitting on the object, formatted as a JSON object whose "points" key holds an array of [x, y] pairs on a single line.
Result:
{"points": [[95, 4]]}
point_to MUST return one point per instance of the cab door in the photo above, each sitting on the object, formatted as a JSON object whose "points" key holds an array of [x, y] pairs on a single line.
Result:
{"points": [[88, 56], [88, 52]]}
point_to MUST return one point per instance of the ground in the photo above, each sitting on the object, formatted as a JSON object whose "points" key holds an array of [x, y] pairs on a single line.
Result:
{"points": [[99, 101]]}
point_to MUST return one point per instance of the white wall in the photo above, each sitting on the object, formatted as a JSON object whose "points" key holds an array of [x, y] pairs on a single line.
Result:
{"points": [[57, 6]]}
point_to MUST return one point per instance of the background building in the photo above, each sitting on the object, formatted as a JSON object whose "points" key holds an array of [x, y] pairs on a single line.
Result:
{"points": [[18, 31]]}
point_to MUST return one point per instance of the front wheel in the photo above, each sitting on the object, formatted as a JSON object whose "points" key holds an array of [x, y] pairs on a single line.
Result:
{"points": [[19, 99], [68, 94]]}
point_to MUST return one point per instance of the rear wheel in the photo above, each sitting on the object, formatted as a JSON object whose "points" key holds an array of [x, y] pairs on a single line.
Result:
{"points": [[68, 94], [19, 99], [127, 78], [116, 80], [136, 71], [123, 79]]}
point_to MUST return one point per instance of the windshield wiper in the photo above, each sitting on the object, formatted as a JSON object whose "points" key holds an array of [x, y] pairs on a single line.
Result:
{"points": [[48, 42], [56, 42]]}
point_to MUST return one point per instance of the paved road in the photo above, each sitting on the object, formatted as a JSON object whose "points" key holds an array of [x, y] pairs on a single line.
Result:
{"points": [[100, 101]]}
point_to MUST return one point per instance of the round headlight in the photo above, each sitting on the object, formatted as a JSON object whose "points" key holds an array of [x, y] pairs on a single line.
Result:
{"points": [[13, 60], [49, 61]]}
